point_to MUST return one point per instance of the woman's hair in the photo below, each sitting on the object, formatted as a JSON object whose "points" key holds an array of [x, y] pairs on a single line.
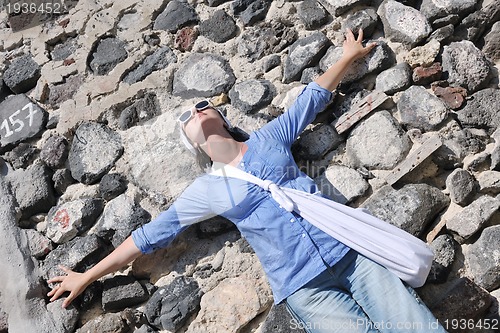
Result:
{"points": [[204, 161]]}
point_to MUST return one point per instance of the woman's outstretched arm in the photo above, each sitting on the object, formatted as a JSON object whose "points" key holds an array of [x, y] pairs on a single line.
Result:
{"points": [[352, 50], [75, 283]]}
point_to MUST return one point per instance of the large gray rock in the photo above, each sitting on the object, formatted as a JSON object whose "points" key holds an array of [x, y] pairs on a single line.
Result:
{"points": [[67, 317], [62, 179], [410, 208], [466, 65], [489, 182], [473, 217], [66, 221], [220, 27], [79, 254], [457, 144], [203, 75], [159, 59], [54, 152], [379, 59], [482, 110], [39, 245], [64, 50], [475, 24], [94, 150], [342, 184], [235, 301], [305, 52], [316, 142], [120, 217], [20, 119], [463, 299], [176, 15], [265, 39], [420, 109], [145, 150], [310, 74], [22, 74], [21, 293], [171, 306], [312, 14], [433, 9], [22, 156], [122, 291], [338, 7], [271, 62], [462, 186], [112, 185], [491, 48], [443, 248], [394, 79], [250, 11], [138, 113], [495, 158], [442, 35], [252, 95], [377, 142], [64, 91], [483, 260], [109, 53], [33, 190], [365, 19], [403, 24]]}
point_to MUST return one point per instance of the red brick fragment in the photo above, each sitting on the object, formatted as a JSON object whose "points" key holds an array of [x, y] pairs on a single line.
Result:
{"points": [[453, 96], [425, 75], [185, 38]]}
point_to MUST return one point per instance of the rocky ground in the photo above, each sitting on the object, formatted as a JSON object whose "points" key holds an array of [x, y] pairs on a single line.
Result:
{"points": [[89, 150]]}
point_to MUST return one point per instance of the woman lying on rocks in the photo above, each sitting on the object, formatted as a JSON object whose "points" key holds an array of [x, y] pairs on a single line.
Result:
{"points": [[326, 286]]}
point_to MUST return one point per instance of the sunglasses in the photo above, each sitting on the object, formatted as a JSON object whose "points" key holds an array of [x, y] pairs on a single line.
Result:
{"points": [[187, 115]]}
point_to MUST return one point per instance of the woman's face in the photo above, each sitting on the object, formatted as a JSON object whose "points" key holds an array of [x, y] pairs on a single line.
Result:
{"points": [[202, 124]]}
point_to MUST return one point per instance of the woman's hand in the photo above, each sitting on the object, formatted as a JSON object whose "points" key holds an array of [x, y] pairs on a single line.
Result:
{"points": [[73, 282], [353, 49], [76, 283]]}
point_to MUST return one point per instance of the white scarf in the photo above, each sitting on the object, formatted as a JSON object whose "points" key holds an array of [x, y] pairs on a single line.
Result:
{"points": [[400, 252]]}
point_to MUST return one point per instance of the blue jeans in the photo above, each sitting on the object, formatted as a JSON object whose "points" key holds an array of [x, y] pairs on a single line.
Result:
{"points": [[359, 295]]}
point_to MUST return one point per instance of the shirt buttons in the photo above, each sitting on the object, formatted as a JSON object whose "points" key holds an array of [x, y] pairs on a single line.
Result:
{"points": [[303, 235], [292, 220]]}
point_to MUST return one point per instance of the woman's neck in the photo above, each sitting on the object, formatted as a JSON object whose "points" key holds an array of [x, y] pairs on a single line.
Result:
{"points": [[224, 149]]}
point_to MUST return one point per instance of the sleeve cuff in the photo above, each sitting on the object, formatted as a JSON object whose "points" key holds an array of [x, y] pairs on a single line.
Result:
{"points": [[314, 86]]}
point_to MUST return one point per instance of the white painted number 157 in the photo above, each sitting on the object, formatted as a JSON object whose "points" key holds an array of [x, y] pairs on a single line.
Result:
{"points": [[16, 124]]}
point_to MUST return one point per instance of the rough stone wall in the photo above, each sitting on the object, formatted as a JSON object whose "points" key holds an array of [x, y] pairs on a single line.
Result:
{"points": [[89, 150]]}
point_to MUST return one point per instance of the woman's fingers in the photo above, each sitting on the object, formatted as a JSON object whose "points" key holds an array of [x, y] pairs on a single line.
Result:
{"points": [[58, 293], [349, 36], [370, 47], [68, 299], [360, 35], [56, 279], [60, 278], [53, 291]]}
